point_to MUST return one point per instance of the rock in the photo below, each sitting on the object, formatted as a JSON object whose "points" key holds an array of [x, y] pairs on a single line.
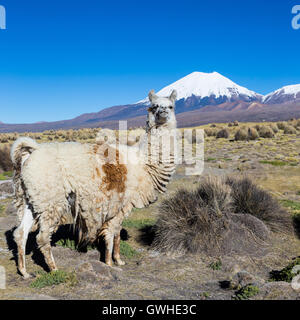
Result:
{"points": [[11, 209], [6, 188], [84, 267], [252, 223], [93, 255], [278, 291], [243, 278], [87, 276], [102, 270]]}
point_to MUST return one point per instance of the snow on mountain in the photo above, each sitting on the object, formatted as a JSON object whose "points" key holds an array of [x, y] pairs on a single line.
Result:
{"points": [[205, 85], [283, 95]]}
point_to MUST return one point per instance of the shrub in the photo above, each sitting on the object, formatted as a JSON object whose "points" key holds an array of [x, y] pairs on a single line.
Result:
{"points": [[241, 135], [126, 250], [224, 133], [257, 127], [5, 161], [281, 125], [266, 132], [230, 124], [246, 292], [274, 127], [290, 130], [236, 123], [210, 132], [53, 278], [221, 216], [249, 198], [192, 221], [213, 125], [286, 274], [252, 134]]}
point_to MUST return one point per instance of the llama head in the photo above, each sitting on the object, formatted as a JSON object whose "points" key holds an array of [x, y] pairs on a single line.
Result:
{"points": [[162, 111]]}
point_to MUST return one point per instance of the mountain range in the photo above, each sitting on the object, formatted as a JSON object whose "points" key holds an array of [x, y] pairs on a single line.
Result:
{"points": [[201, 98]]}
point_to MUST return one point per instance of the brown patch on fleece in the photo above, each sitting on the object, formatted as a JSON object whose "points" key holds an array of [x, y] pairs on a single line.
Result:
{"points": [[98, 172], [115, 175], [95, 148]]}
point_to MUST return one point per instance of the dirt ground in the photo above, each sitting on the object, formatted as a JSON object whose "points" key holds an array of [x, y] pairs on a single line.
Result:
{"points": [[149, 274]]}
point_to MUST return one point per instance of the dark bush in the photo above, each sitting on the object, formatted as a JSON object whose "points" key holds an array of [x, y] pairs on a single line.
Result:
{"points": [[290, 130], [5, 161], [210, 132], [249, 198], [222, 216], [274, 127], [224, 133], [252, 134], [193, 221], [241, 135], [266, 132]]}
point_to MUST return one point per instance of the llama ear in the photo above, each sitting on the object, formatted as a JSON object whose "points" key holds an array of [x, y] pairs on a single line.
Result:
{"points": [[173, 95], [151, 95]]}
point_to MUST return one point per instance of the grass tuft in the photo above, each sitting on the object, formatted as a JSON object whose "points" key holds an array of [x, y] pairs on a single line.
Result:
{"points": [[126, 250], [246, 292], [53, 278], [138, 223], [286, 274]]}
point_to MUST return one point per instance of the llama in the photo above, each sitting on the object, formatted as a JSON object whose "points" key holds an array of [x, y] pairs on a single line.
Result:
{"points": [[90, 183]]}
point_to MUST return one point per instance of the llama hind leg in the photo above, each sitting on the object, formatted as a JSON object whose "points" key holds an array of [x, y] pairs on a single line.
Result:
{"points": [[116, 252], [109, 242], [21, 236], [44, 243]]}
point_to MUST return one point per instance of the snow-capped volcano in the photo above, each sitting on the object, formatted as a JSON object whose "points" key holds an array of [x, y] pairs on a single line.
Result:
{"points": [[208, 88], [284, 95]]}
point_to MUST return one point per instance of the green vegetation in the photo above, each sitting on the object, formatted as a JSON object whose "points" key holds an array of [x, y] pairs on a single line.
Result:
{"points": [[205, 294], [286, 273], [246, 292], [138, 223], [293, 205], [210, 159], [217, 265], [45, 279], [126, 250], [6, 175], [2, 208], [277, 163]]}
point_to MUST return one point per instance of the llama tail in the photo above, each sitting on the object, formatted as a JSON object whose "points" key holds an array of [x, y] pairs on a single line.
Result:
{"points": [[22, 147]]}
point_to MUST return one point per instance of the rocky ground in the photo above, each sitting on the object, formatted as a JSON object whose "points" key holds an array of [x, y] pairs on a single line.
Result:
{"points": [[152, 275]]}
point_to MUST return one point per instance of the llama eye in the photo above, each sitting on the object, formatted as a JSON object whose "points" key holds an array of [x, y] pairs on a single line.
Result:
{"points": [[171, 107]]}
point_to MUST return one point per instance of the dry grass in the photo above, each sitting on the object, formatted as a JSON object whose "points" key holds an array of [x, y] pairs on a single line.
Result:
{"points": [[5, 161], [290, 130], [191, 221], [249, 198], [266, 132], [223, 133], [200, 220], [241, 135], [252, 134]]}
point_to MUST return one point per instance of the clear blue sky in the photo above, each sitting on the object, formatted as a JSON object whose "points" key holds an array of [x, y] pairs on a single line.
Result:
{"points": [[59, 59]]}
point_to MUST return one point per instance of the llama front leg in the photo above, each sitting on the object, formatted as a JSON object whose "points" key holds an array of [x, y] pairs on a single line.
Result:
{"points": [[43, 241], [116, 254], [21, 236]]}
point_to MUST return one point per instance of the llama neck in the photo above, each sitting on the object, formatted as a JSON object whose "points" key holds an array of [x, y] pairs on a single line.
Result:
{"points": [[160, 158]]}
